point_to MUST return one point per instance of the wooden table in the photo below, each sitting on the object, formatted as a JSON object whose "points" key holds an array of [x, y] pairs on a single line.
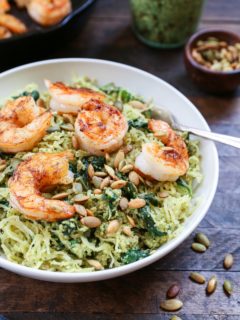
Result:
{"points": [[108, 35]]}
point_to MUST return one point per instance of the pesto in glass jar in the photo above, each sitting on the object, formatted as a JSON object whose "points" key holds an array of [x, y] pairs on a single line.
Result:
{"points": [[165, 23]]}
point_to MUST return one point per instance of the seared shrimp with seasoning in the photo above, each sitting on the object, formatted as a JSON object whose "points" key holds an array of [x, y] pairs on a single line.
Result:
{"points": [[49, 12], [22, 3], [33, 175], [65, 99], [22, 125], [4, 33], [12, 23], [163, 163], [100, 128], [4, 6]]}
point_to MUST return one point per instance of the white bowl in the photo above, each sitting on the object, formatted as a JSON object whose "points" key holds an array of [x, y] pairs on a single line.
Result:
{"points": [[138, 82]]}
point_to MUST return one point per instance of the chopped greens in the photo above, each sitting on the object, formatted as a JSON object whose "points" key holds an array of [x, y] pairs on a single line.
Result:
{"points": [[117, 93], [151, 199], [35, 94], [181, 183], [73, 168], [145, 214], [134, 255], [138, 123], [68, 227], [148, 113], [97, 163], [112, 197], [129, 191]]}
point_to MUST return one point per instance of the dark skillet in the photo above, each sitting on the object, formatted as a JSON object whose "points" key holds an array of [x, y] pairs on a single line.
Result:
{"points": [[40, 40]]}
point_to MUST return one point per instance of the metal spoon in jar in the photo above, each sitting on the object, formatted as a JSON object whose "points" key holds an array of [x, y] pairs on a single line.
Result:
{"points": [[164, 115]]}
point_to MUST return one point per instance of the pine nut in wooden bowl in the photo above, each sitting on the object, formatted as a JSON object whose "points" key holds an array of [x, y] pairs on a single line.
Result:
{"points": [[212, 60]]}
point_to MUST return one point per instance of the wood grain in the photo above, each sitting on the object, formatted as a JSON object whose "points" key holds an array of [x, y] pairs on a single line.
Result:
{"points": [[77, 316], [108, 296], [108, 35]]}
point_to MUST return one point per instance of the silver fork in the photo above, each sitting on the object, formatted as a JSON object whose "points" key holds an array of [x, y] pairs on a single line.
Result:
{"points": [[164, 115]]}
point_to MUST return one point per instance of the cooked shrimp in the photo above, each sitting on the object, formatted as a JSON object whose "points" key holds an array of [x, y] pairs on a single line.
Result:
{"points": [[22, 125], [22, 3], [166, 163], [4, 33], [12, 23], [100, 128], [49, 12], [69, 100], [35, 174], [4, 6]]}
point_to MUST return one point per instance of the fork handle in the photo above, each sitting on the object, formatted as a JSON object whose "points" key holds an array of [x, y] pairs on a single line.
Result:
{"points": [[229, 140]]}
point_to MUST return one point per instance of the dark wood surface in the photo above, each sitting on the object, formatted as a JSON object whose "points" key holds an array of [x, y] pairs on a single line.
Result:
{"points": [[107, 35]]}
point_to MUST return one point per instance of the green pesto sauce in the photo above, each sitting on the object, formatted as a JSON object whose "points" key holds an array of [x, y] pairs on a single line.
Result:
{"points": [[168, 22]]}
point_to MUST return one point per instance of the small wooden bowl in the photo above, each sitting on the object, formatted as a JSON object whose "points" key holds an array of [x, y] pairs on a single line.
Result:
{"points": [[219, 82]]}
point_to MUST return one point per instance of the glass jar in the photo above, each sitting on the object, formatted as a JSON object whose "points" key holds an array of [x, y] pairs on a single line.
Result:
{"points": [[165, 23]]}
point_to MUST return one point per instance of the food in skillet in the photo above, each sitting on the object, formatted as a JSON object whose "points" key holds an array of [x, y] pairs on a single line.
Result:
{"points": [[48, 12], [44, 12], [4, 33], [11, 25], [4, 6], [71, 204], [22, 3]]}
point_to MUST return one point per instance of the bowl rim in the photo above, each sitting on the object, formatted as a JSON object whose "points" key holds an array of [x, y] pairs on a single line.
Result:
{"points": [[68, 277], [198, 66]]}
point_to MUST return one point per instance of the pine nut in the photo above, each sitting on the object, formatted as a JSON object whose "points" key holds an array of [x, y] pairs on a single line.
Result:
{"points": [[136, 203], [127, 231], [80, 210], [97, 191], [95, 264], [105, 183], [90, 171], [101, 174], [79, 198], [97, 181], [131, 221], [110, 171], [123, 203], [173, 291], [77, 187], [203, 239], [197, 277], [113, 227], [171, 305], [119, 157], [163, 194], [134, 178], [89, 213], [60, 196], [212, 284], [91, 222], [228, 261], [127, 168], [137, 105], [118, 184]]}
